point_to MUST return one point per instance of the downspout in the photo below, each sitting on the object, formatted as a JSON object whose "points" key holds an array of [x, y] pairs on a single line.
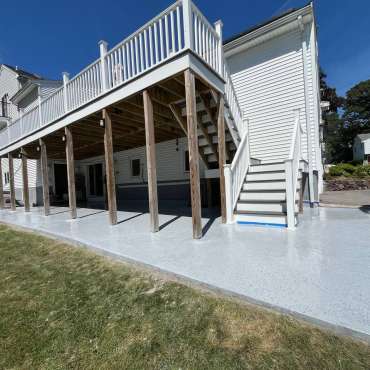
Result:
{"points": [[307, 113], [316, 104]]}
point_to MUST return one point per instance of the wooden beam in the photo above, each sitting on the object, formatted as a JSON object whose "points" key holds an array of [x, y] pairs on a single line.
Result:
{"points": [[109, 168], [176, 111], [151, 161], [45, 177], [191, 114], [221, 155], [181, 121], [11, 181], [1, 186], [71, 172], [26, 192]]}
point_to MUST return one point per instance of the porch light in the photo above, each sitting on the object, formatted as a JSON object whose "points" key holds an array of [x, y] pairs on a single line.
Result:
{"points": [[38, 148], [20, 155], [63, 138], [102, 123]]}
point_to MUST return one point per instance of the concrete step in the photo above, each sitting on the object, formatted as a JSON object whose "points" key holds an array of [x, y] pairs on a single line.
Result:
{"points": [[268, 167]]}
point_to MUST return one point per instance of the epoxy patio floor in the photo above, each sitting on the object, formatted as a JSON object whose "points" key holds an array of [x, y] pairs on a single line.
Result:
{"points": [[320, 271]]}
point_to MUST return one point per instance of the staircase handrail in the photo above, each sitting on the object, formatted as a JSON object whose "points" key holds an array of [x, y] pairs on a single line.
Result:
{"points": [[235, 174], [232, 101], [292, 164]]}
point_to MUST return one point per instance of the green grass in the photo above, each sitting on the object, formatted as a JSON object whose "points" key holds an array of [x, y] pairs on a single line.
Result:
{"points": [[65, 307]]}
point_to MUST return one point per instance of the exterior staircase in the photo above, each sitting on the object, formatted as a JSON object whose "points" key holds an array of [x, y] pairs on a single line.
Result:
{"points": [[207, 130], [262, 199]]}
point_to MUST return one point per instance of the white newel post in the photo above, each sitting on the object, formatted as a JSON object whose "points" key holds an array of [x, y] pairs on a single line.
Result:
{"points": [[220, 51], [65, 96], [40, 113], [289, 193], [188, 24], [103, 47], [228, 193]]}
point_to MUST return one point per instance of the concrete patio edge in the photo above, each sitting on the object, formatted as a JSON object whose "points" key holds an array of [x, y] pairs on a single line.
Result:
{"points": [[194, 283]]}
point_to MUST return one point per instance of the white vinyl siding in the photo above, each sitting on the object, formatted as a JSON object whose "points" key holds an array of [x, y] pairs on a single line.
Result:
{"points": [[170, 159], [269, 83], [9, 85]]}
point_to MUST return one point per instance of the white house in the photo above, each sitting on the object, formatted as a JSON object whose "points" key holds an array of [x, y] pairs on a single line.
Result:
{"points": [[361, 148], [177, 114], [20, 92]]}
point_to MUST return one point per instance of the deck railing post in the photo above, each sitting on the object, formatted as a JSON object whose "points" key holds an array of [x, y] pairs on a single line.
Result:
{"points": [[65, 96], [1, 186], [188, 24], [103, 47], [289, 194], [228, 193], [11, 182], [40, 113], [220, 52]]}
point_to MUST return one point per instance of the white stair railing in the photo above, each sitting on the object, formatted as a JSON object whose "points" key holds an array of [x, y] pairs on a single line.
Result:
{"points": [[235, 174], [292, 170], [232, 102]]}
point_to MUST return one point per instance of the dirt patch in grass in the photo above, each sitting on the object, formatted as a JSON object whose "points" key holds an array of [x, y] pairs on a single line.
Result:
{"points": [[65, 307]]}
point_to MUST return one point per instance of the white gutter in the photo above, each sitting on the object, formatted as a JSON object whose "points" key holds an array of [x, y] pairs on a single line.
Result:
{"points": [[269, 31]]}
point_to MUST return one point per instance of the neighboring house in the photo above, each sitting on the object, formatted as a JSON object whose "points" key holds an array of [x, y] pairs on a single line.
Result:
{"points": [[266, 127], [361, 148], [20, 92]]}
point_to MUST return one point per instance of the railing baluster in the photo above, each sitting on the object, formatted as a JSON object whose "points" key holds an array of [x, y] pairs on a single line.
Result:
{"points": [[141, 52], [172, 32], [179, 40], [161, 38], [146, 61], [166, 35], [151, 47], [156, 43]]}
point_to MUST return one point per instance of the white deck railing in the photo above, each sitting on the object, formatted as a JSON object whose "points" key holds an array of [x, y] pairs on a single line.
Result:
{"points": [[180, 27], [236, 172], [232, 102], [292, 170]]}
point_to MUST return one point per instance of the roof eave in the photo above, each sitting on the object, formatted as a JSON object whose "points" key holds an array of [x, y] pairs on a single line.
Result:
{"points": [[265, 32]]}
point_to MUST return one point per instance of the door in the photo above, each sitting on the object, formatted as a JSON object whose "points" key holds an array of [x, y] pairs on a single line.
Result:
{"points": [[96, 185], [61, 181]]}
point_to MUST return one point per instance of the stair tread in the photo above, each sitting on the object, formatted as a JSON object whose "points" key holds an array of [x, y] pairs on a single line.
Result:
{"points": [[265, 172], [260, 213], [266, 164], [262, 201], [273, 180]]}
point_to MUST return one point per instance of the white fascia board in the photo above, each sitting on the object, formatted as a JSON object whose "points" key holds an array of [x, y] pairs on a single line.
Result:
{"points": [[269, 31], [163, 72]]}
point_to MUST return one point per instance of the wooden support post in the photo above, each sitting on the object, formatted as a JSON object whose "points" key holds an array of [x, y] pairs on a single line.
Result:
{"points": [[221, 155], [11, 181], [191, 115], [71, 172], [1, 186], [109, 168], [26, 193], [45, 177], [151, 162]]}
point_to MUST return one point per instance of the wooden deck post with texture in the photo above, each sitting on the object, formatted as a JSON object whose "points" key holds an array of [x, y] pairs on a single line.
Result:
{"points": [[109, 168], [71, 172], [221, 155], [192, 129], [11, 181], [151, 161], [45, 177], [26, 192], [1, 186]]}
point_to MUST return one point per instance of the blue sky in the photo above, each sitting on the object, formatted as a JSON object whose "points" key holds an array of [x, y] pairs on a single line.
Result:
{"points": [[48, 37]]}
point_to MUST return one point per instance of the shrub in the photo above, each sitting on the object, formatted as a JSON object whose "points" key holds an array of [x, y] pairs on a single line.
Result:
{"points": [[362, 171], [342, 169]]}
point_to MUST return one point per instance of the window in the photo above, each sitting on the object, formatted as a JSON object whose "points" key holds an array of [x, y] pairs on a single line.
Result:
{"points": [[186, 161], [96, 179], [135, 167], [4, 106]]}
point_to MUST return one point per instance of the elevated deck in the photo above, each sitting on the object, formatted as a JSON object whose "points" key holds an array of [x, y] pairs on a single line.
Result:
{"points": [[178, 39]]}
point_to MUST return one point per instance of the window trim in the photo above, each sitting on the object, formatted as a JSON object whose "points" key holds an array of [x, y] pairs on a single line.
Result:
{"points": [[132, 168]]}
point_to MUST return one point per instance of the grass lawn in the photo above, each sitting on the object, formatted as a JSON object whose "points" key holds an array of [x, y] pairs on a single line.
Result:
{"points": [[65, 307]]}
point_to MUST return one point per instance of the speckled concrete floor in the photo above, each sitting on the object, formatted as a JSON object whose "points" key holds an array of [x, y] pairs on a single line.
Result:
{"points": [[321, 270]]}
